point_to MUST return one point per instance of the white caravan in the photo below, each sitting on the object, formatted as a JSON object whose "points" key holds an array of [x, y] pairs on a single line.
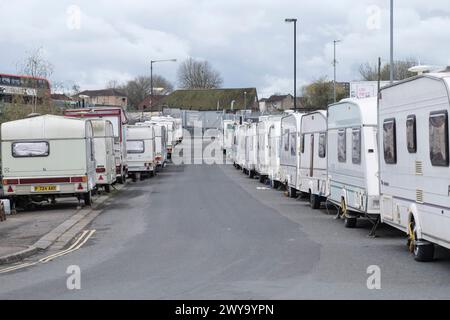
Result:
{"points": [[289, 151], [251, 141], [141, 151], [46, 157], [119, 120], [312, 177], [414, 161], [262, 148], [241, 133], [353, 182], [228, 136], [104, 153], [169, 123], [274, 137], [160, 145]]}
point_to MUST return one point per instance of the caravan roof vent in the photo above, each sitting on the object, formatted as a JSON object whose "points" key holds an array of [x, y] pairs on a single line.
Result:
{"points": [[423, 69]]}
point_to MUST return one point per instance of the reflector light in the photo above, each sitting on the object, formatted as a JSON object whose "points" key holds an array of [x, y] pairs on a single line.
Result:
{"points": [[101, 178], [80, 187], [10, 189]]}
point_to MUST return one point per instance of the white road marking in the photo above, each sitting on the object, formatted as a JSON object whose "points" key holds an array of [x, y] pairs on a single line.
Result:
{"points": [[85, 236]]}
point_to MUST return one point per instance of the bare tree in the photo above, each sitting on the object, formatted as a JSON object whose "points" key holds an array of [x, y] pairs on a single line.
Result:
{"points": [[36, 65], [139, 88], [369, 72], [193, 74], [112, 84]]}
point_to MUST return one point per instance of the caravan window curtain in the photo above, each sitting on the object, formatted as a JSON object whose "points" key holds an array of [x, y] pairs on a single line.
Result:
{"points": [[342, 145], [135, 146], [439, 150], [30, 149], [322, 145], [390, 141], [356, 146]]}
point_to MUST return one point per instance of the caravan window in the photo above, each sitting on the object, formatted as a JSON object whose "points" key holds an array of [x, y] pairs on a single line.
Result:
{"points": [[30, 149], [356, 146], [390, 141], [135, 146], [439, 152], [342, 146], [293, 143], [286, 140], [411, 134], [322, 145], [302, 144]]}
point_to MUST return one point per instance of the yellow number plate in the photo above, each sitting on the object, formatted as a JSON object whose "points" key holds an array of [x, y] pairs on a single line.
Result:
{"points": [[45, 188]]}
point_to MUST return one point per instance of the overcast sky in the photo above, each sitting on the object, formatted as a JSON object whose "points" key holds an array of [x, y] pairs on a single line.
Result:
{"points": [[247, 41]]}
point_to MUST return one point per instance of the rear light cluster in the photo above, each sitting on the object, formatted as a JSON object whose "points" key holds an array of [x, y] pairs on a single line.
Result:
{"points": [[117, 169], [100, 170], [158, 158]]}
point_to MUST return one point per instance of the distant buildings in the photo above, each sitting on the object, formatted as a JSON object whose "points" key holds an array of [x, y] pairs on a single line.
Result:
{"points": [[105, 97]]}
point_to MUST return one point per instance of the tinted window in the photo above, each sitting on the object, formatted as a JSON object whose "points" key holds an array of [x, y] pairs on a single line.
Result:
{"points": [[439, 152], [135, 146], [411, 134], [30, 149], [342, 146], [322, 145], [286, 140], [302, 142], [390, 141], [356, 146], [293, 143]]}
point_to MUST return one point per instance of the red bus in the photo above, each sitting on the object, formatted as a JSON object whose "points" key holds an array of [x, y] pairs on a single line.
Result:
{"points": [[24, 89]]}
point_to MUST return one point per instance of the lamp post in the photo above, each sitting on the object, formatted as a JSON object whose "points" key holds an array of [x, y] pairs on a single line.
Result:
{"points": [[245, 100], [151, 77], [294, 20], [392, 43], [334, 65]]}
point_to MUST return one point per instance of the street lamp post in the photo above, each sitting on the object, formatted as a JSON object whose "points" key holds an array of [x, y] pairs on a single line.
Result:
{"points": [[245, 100], [334, 65], [294, 20], [392, 43], [151, 77]]}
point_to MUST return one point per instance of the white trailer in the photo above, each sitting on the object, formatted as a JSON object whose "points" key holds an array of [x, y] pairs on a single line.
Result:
{"points": [[312, 177], [251, 141], [289, 152], [46, 157], [104, 153], [274, 137], [118, 118], [160, 145], [169, 123], [353, 182], [228, 136], [141, 151], [414, 161]]}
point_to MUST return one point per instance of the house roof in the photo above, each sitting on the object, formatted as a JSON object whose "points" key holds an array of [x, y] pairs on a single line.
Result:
{"points": [[212, 99], [103, 93], [61, 97]]}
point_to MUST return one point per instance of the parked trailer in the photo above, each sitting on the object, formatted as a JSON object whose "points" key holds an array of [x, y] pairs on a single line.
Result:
{"points": [[104, 153], [119, 120], [264, 149], [46, 157], [312, 177], [228, 135], [274, 137], [160, 145], [289, 152], [414, 161], [251, 141], [241, 133], [169, 123], [353, 159], [141, 151]]}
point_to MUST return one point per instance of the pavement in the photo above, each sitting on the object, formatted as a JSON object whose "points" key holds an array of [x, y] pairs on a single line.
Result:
{"points": [[209, 232], [32, 231]]}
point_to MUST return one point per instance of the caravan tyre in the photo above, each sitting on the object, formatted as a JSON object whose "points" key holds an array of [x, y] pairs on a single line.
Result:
{"points": [[292, 193], [87, 197], [424, 252], [107, 188], [314, 201], [350, 222], [251, 174]]}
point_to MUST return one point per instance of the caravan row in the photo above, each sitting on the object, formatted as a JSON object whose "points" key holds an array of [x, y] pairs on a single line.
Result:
{"points": [[47, 157], [385, 159]]}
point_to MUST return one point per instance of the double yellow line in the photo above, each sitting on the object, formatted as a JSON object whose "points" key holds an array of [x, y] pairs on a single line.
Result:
{"points": [[85, 236]]}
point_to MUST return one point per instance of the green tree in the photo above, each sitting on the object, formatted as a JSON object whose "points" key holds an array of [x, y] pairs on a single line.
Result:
{"points": [[319, 94], [369, 72]]}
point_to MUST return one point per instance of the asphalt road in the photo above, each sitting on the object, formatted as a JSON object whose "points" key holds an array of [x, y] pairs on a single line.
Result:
{"points": [[208, 232]]}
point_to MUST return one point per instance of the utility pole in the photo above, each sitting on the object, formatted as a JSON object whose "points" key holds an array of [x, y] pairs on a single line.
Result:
{"points": [[334, 65], [392, 43]]}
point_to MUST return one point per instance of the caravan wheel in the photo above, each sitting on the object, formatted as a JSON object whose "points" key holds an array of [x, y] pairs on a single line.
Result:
{"points": [[350, 222], [107, 188], [423, 251], [87, 197], [251, 174], [292, 192], [314, 201]]}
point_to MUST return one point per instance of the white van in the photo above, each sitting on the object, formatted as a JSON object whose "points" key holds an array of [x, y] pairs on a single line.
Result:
{"points": [[414, 161], [118, 118], [104, 153], [312, 177], [353, 182], [274, 138], [251, 142], [289, 152], [46, 157], [141, 151]]}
